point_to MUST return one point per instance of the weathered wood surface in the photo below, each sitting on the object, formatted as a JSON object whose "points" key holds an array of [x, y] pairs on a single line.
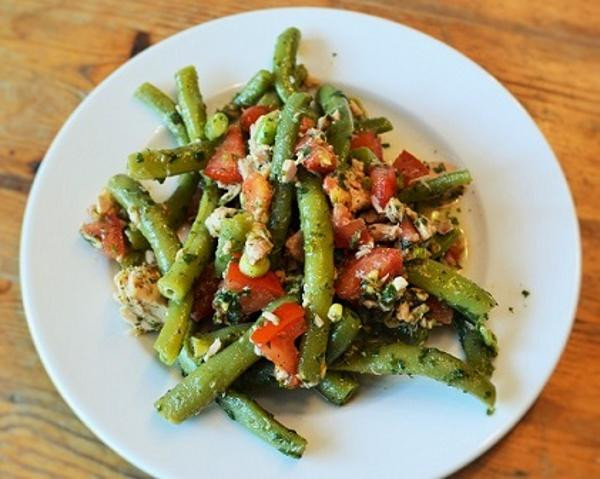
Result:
{"points": [[52, 53]]}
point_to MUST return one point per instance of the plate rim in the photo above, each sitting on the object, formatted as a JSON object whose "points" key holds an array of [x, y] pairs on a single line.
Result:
{"points": [[55, 376]]}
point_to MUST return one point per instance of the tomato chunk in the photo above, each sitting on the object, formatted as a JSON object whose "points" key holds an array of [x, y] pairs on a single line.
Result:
{"points": [[251, 114], [387, 261], [306, 123], [205, 287], [109, 230], [349, 232], [256, 196], [276, 341], [409, 232], [368, 139], [256, 292], [288, 314], [316, 155], [439, 311], [410, 167], [383, 186], [223, 165]]}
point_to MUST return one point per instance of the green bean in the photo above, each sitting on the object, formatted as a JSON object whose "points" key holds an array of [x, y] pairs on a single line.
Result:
{"points": [[205, 383], [165, 107], [377, 125], [361, 107], [254, 270], [477, 353], [300, 75], [337, 387], [191, 105], [136, 239], [270, 99], [439, 244], [196, 252], [284, 62], [448, 285], [339, 133], [231, 239], [244, 410], [132, 258], [159, 164], [254, 89], [212, 378], [399, 358], [216, 125], [178, 203], [287, 132], [186, 359], [201, 343], [176, 326], [318, 275], [366, 156], [266, 128], [343, 333], [146, 216], [435, 187], [285, 142]]}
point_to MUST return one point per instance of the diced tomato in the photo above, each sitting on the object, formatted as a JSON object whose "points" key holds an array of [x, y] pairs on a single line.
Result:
{"points": [[368, 139], [256, 196], [387, 261], [317, 156], [306, 123], [223, 165], [288, 314], [349, 232], [455, 253], [410, 167], [109, 230], [439, 311], [205, 288], [383, 185], [276, 341], [251, 114], [409, 232], [257, 292]]}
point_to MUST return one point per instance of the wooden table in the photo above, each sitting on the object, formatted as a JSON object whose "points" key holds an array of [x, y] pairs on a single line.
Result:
{"points": [[52, 53]]}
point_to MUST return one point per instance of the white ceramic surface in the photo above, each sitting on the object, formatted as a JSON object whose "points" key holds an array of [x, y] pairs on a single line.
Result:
{"points": [[519, 213]]}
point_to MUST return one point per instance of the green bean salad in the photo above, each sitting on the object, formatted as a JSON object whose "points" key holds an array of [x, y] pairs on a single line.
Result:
{"points": [[292, 252]]}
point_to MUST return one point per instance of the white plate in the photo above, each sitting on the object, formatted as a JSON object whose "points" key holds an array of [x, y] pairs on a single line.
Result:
{"points": [[521, 219]]}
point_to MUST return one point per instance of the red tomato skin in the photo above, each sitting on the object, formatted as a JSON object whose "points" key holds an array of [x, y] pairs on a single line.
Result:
{"points": [[314, 161], [409, 232], [110, 231], [261, 291], [383, 185], [276, 341], [288, 314], [222, 165], [410, 167], [369, 140], [306, 123], [387, 261], [205, 287], [348, 230], [319, 158], [439, 311], [251, 114]]}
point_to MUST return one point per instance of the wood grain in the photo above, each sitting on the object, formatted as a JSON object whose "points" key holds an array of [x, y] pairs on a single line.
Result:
{"points": [[546, 52]]}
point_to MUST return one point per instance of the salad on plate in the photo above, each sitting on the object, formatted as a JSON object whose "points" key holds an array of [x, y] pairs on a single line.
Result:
{"points": [[294, 252]]}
